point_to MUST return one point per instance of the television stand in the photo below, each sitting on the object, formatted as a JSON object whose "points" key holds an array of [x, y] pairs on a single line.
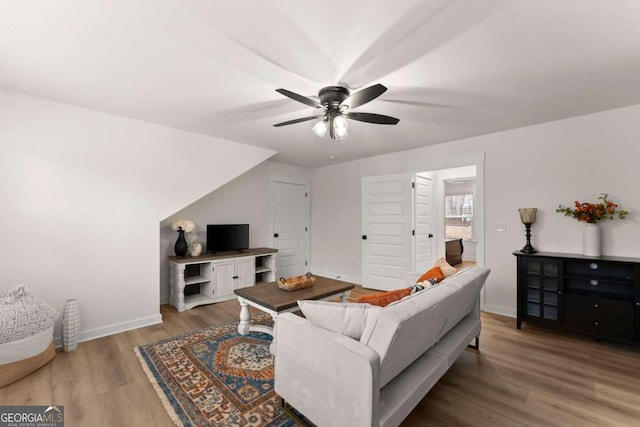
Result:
{"points": [[214, 276], [227, 253]]}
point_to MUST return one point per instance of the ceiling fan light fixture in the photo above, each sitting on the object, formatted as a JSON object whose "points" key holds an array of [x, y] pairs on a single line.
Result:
{"points": [[337, 102], [340, 122], [320, 128], [340, 126]]}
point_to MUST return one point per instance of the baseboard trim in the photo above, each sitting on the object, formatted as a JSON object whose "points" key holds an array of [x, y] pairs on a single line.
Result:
{"points": [[503, 311], [113, 329]]}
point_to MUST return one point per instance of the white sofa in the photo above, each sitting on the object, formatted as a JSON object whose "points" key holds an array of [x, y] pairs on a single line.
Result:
{"points": [[334, 380]]}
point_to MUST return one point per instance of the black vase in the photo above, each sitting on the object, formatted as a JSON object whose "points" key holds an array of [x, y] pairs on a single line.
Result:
{"points": [[181, 244]]}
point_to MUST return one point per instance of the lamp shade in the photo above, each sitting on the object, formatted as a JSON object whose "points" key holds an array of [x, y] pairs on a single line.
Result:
{"points": [[340, 126], [320, 128], [528, 215]]}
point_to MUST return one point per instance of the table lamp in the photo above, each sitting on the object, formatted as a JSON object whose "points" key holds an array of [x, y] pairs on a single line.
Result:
{"points": [[528, 217]]}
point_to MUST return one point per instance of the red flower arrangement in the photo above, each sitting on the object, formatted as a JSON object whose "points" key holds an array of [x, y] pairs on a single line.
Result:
{"points": [[593, 212]]}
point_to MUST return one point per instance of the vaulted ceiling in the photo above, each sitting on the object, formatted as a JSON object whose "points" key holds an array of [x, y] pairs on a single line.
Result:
{"points": [[454, 69]]}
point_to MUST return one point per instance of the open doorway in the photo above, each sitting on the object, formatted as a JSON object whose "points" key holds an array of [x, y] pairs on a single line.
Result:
{"points": [[459, 222], [457, 207]]}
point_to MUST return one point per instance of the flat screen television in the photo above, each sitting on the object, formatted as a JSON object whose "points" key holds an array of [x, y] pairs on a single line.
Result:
{"points": [[227, 237]]}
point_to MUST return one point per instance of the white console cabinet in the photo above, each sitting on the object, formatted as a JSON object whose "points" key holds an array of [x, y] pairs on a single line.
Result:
{"points": [[233, 273], [210, 278]]}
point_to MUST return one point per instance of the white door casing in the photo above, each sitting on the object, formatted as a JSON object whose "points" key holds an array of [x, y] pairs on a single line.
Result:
{"points": [[291, 226], [387, 250], [423, 223]]}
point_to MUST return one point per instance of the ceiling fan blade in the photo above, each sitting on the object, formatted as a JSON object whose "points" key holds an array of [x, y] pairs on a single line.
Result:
{"points": [[416, 103], [310, 102], [304, 119], [373, 118], [363, 96]]}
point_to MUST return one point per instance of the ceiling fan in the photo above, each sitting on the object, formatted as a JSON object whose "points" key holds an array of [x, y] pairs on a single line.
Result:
{"points": [[337, 103]]}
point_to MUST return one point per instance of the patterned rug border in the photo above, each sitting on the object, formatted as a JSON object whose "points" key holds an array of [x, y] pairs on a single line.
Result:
{"points": [[159, 389], [163, 392]]}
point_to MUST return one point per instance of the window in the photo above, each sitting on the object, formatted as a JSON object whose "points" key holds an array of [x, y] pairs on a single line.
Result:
{"points": [[459, 216]]}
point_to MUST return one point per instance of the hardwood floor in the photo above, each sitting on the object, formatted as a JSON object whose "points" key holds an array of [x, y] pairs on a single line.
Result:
{"points": [[529, 377], [535, 377], [464, 264]]}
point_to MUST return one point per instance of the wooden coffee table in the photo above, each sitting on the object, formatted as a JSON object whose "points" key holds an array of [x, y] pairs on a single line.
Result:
{"points": [[268, 297]]}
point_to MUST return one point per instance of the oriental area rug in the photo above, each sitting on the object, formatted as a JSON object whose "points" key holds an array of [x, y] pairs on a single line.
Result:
{"points": [[216, 377]]}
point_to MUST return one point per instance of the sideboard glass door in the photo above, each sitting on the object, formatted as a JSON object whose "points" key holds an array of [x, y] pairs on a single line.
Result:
{"points": [[543, 286]]}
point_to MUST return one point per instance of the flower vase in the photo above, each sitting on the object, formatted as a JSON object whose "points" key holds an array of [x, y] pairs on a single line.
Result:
{"points": [[591, 240], [195, 249], [181, 244], [70, 325]]}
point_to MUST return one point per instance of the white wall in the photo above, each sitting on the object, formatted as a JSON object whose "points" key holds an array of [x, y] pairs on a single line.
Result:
{"points": [[83, 193], [539, 166], [244, 200]]}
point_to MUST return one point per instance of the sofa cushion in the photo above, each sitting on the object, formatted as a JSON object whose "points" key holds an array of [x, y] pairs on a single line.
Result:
{"points": [[470, 283], [345, 318], [406, 329], [383, 299]]}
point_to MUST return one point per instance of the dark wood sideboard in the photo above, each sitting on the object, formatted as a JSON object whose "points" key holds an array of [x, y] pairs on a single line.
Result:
{"points": [[598, 296]]}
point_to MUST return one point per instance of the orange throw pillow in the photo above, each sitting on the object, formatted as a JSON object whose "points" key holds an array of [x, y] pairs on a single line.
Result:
{"points": [[435, 273], [385, 298]]}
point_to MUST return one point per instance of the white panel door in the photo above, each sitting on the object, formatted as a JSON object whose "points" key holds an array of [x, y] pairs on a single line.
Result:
{"points": [[387, 254], [423, 238], [291, 207]]}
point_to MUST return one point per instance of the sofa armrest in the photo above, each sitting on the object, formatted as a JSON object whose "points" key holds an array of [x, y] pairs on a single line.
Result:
{"points": [[333, 380]]}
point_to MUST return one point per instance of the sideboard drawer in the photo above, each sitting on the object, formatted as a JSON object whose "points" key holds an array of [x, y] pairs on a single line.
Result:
{"points": [[600, 325], [600, 269], [602, 287], [599, 306]]}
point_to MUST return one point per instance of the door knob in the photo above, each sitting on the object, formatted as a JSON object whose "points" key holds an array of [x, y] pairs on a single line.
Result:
{"points": [[364, 237], [275, 234]]}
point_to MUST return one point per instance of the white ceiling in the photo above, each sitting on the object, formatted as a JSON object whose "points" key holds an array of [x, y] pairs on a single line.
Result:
{"points": [[454, 69]]}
